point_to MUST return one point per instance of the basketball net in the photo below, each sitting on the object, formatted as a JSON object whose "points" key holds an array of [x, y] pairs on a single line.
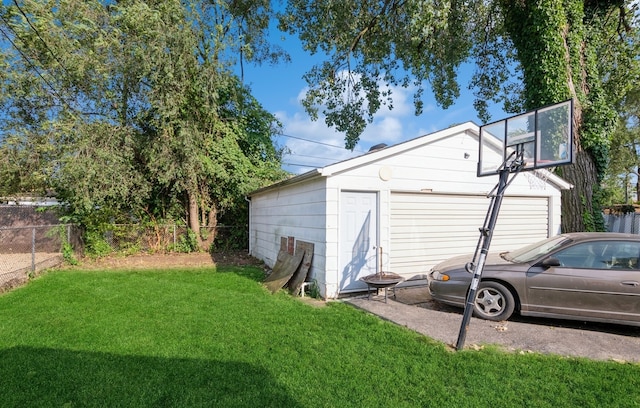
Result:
{"points": [[538, 178]]}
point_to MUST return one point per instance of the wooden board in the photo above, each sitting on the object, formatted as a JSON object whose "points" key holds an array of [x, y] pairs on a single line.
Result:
{"points": [[302, 272], [286, 265]]}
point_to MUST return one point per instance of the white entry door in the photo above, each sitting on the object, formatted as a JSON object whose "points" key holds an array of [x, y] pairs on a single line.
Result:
{"points": [[358, 238]]}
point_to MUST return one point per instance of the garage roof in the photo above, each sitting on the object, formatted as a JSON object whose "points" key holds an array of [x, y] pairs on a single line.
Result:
{"points": [[376, 155]]}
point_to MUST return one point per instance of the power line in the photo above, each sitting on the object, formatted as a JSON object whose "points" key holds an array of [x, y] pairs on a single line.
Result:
{"points": [[29, 61], [316, 142], [300, 165], [311, 157], [40, 37]]}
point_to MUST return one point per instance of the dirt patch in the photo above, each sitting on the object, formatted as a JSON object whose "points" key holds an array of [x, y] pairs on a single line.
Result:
{"points": [[173, 260]]}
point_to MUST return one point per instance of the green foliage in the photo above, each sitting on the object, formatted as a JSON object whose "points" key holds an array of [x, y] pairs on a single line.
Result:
{"points": [[527, 54], [230, 238], [132, 108], [313, 290], [371, 46], [597, 208], [614, 190], [592, 216], [96, 245], [625, 143], [186, 243], [68, 252]]}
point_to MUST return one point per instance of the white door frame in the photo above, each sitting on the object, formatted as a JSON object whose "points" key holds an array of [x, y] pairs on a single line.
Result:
{"points": [[358, 238]]}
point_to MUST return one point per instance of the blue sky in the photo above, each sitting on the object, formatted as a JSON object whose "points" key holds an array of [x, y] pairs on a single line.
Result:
{"points": [[280, 88]]}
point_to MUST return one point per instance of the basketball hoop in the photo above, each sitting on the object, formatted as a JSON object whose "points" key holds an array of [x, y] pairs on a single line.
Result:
{"points": [[542, 138], [531, 142]]}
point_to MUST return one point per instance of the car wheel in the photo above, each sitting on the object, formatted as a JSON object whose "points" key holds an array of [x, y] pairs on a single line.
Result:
{"points": [[493, 302]]}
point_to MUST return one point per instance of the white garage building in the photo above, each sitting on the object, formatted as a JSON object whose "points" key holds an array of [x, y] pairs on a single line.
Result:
{"points": [[417, 203]]}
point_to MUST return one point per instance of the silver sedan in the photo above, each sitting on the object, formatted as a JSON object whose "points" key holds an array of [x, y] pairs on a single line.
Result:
{"points": [[579, 276]]}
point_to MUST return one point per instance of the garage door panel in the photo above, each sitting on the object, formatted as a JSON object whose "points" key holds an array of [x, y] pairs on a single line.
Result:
{"points": [[478, 208], [435, 242], [429, 228], [417, 223]]}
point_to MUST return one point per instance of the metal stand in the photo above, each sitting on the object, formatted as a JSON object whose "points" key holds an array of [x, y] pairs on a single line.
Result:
{"points": [[377, 289], [486, 233], [382, 280]]}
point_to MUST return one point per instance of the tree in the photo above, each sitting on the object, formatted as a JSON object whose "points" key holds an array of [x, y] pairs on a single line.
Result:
{"points": [[625, 149], [527, 54], [137, 107], [202, 117], [57, 105]]}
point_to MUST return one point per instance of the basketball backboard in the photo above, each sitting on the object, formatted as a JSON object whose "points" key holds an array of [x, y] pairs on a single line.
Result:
{"points": [[538, 139]]}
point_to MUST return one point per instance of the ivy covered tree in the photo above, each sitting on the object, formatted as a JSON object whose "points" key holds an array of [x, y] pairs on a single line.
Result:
{"points": [[527, 54], [130, 109], [625, 148]]}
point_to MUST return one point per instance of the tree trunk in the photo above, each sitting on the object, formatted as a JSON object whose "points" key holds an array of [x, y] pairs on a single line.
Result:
{"points": [[578, 210], [555, 68], [212, 224], [577, 203], [194, 218], [637, 196]]}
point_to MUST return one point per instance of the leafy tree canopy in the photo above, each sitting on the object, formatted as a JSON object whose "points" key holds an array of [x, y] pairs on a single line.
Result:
{"points": [[130, 108], [526, 54]]}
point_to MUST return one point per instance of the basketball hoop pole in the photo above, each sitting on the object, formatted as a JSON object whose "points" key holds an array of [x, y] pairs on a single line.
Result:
{"points": [[486, 233], [537, 139]]}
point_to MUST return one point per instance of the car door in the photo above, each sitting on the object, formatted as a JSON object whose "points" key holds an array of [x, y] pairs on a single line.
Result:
{"points": [[595, 280]]}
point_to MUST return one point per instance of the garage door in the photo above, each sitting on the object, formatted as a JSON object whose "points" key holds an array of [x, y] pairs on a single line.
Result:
{"points": [[429, 228]]}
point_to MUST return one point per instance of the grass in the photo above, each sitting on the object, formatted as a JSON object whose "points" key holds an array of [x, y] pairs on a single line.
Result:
{"points": [[207, 338]]}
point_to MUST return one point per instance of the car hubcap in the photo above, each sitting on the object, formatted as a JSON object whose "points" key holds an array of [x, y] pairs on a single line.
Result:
{"points": [[489, 302]]}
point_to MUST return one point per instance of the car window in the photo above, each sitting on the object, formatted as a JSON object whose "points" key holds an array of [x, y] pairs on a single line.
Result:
{"points": [[626, 255], [535, 251], [600, 255]]}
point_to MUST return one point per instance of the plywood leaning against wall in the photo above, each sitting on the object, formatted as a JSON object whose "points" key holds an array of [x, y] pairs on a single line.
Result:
{"points": [[292, 266]]}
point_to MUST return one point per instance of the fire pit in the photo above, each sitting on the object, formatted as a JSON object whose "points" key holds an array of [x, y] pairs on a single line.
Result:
{"points": [[381, 280]]}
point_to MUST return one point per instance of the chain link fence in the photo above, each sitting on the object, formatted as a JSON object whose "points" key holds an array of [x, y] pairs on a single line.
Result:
{"points": [[27, 250], [134, 238], [24, 251]]}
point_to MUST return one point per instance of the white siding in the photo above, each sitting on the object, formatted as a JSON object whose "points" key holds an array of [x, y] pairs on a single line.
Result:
{"points": [[298, 211], [429, 228], [439, 167], [431, 205]]}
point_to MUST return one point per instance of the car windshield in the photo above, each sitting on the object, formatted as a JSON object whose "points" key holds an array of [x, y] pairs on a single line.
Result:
{"points": [[535, 251]]}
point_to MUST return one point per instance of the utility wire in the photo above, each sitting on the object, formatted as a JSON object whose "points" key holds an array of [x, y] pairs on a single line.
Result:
{"points": [[315, 141], [301, 165], [53, 54], [311, 157], [29, 61]]}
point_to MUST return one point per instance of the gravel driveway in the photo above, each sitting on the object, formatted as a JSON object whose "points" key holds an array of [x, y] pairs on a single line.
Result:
{"points": [[414, 308]]}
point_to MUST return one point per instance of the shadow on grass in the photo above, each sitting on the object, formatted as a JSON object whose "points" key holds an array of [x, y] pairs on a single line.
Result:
{"points": [[51, 377]]}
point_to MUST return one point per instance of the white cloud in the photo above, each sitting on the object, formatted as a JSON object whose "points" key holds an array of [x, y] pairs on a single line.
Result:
{"points": [[402, 101], [310, 145], [387, 130]]}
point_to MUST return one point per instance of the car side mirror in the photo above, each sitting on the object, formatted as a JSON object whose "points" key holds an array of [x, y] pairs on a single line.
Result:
{"points": [[549, 262]]}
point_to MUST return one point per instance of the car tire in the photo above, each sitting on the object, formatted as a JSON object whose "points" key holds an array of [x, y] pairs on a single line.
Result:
{"points": [[493, 302]]}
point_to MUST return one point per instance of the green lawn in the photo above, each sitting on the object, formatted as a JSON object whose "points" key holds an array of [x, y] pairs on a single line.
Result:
{"points": [[191, 338]]}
